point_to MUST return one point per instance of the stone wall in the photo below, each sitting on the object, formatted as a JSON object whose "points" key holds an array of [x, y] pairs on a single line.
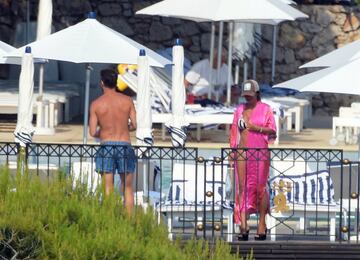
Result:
{"points": [[328, 28]]}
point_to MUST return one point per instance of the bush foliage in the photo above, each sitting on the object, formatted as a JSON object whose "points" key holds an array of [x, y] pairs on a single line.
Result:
{"points": [[54, 221]]}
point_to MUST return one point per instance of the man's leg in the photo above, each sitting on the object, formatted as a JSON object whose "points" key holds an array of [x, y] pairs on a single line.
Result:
{"points": [[127, 181], [108, 180]]}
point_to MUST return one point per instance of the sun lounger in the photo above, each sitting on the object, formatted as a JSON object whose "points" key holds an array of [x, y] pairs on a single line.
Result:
{"points": [[311, 197], [293, 106], [197, 196], [348, 121], [59, 103], [200, 116], [83, 172]]}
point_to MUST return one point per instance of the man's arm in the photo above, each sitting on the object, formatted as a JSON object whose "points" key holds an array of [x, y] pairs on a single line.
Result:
{"points": [[93, 122], [132, 125]]}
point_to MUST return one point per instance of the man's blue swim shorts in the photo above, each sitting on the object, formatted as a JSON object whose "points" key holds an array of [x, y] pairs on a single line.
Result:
{"points": [[115, 157]]}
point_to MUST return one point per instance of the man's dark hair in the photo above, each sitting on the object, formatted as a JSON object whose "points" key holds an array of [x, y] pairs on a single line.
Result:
{"points": [[109, 78]]}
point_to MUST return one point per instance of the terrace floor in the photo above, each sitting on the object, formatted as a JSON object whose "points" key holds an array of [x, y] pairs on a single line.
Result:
{"points": [[316, 135]]}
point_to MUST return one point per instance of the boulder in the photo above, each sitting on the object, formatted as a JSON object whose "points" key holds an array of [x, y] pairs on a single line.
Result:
{"points": [[108, 9], [118, 24], [323, 17], [291, 37], [159, 32]]}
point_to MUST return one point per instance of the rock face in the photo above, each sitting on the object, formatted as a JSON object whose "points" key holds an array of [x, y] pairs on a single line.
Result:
{"points": [[328, 28]]}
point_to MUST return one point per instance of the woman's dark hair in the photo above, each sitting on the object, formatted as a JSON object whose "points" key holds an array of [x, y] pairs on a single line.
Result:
{"points": [[109, 78], [258, 97]]}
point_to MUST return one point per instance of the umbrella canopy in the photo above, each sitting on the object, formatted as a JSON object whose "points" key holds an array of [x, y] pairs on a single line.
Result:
{"points": [[90, 42], [177, 125], [5, 49], [24, 128], [143, 103], [247, 11], [341, 79], [253, 11], [344, 54]]}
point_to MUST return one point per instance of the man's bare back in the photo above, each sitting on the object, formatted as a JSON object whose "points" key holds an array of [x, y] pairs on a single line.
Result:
{"points": [[111, 112]]}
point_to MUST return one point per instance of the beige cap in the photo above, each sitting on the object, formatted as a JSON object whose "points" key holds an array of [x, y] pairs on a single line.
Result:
{"points": [[249, 88], [192, 77]]}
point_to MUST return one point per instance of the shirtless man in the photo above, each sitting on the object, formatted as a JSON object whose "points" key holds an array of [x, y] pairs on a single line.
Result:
{"points": [[109, 121]]}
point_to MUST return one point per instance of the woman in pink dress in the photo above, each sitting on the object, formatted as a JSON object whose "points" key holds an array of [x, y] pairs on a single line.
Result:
{"points": [[253, 127]]}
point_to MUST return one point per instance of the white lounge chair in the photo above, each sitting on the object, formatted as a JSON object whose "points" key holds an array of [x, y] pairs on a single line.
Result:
{"points": [[197, 198], [201, 116], [347, 176], [311, 197], [83, 172], [346, 125]]}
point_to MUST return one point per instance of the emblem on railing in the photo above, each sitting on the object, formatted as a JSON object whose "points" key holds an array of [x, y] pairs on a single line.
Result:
{"points": [[280, 199]]}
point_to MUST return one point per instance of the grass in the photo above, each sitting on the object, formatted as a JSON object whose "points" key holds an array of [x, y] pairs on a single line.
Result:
{"points": [[55, 221]]}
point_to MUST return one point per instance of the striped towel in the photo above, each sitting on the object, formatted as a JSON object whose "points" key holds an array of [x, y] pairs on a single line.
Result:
{"points": [[314, 188]]}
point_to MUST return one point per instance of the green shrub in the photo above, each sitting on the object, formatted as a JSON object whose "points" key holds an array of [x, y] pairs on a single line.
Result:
{"points": [[55, 221]]}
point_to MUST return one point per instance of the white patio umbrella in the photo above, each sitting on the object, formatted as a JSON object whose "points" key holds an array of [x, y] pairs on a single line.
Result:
{"points": [[341, 79], [251, 11], [44, 22], [5, 49], [24, 128], [347, 53], [90, 42], [143, 103], [177, 125]]}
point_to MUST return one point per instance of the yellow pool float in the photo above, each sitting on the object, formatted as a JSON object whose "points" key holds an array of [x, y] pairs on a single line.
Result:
{"points": [[122, 69]]}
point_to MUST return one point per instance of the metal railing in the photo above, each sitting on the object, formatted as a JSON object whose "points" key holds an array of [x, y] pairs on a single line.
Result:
{"points": [[314, 194]]}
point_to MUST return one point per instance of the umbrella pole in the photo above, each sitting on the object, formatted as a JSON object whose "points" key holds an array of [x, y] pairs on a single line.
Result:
{"points": [[245, 70], [27, 33], [231, 31], [41, 81], [22, 161], [254, 67], [211, 58], [219, 54], [86, 107], [237, 72], [273, 55]]}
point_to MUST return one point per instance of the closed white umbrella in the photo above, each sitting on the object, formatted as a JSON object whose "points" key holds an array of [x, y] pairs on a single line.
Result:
{"points": [[90, 42], [341, 79], [347, 53], [44, 19], [177, 125], [24, 128], [143, 103], [144, 135], [44, 22]]}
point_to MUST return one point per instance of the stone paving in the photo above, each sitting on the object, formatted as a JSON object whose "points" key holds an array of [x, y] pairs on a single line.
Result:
{"points": [[315, 136]]}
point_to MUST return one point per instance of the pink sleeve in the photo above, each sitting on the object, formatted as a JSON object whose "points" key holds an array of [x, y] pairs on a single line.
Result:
{"points": [[234, 132], [270, 123]]}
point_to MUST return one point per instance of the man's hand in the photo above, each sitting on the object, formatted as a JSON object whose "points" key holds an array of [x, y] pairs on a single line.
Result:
{"points": [[97, 133]]}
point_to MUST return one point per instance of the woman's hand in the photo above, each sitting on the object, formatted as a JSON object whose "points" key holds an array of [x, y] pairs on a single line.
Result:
{"points": [[252, 127]]}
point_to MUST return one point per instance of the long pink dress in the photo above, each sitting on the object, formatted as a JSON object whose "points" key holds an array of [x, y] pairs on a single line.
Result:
{"points": [[253, 164]]}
